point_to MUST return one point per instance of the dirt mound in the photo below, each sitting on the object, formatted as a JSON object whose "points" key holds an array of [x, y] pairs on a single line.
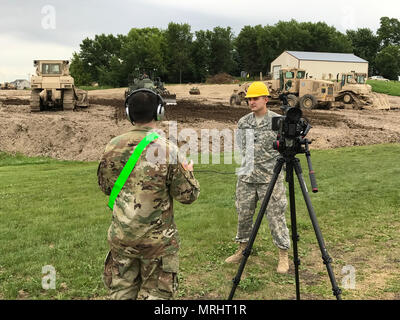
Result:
{"points": [[15, 101], [79, 135], [107, 102], [221, 78], [191, 111]]}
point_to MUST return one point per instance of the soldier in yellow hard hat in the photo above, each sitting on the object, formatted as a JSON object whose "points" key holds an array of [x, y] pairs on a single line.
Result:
{"points": [[252, 184]]}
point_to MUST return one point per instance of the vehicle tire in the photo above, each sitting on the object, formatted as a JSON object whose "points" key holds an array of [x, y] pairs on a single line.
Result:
{"points": [[293, 100], [347, 98], [242, 97], [234, 100], [308, 101]]}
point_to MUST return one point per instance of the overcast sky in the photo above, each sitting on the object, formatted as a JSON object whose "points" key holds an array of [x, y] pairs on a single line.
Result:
{"points": [[53, 29]]}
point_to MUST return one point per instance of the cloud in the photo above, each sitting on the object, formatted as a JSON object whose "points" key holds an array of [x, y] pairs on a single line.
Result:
{"points": [[17, 59]]}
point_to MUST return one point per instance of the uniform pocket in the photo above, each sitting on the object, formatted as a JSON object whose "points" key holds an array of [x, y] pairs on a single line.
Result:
{"points": [[168, 280], [107, 274]]}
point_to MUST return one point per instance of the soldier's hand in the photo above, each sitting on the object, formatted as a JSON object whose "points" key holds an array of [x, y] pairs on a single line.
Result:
{"points": [[188, 166]]}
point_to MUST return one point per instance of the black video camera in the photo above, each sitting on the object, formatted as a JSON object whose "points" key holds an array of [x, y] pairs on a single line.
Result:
{"points": [[291, 128]]}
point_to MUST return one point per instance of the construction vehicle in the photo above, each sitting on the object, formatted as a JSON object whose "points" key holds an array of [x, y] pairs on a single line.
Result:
{"points": [[53, 87], [143, 81], [238, 95], [8, 86], [355, 93], [194, 90], [300, 91], [350, 92]]}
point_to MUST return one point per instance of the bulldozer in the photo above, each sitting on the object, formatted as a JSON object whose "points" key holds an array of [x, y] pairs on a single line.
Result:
{"points": [[355, 93], [143, 81], [299, 90], [52, 88]]}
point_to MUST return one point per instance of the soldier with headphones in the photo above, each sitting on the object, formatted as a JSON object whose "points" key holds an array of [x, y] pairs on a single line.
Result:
{"points": [[134, 103], [143, 259]]}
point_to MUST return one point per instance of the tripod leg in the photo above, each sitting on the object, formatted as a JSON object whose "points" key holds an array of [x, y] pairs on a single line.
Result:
{"points": [[325, 256], [295, 236], [246, 252]]}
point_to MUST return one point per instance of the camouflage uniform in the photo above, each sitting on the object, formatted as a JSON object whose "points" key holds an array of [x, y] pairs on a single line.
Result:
{"points": [[143, 238], [252, 184]]}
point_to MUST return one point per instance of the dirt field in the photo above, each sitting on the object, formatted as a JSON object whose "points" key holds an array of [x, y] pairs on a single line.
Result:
{"points": [[83, 134]]}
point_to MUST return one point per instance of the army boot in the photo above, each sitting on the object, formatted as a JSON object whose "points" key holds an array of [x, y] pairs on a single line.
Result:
{"points": [[237, 256], [283, 264]]}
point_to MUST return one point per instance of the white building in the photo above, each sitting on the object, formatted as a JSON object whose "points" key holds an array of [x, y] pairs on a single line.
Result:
{"points": [[22, 84], [319, 65]]}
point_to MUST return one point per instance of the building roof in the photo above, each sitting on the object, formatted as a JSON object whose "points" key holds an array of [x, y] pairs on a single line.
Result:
{"points": [[326, 56]]}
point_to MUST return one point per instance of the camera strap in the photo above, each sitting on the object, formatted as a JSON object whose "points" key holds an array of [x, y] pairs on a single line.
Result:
{"points": [[127, 169]]}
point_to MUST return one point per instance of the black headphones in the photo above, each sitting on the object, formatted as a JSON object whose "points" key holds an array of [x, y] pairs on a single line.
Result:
{"points": [[158, 113]]}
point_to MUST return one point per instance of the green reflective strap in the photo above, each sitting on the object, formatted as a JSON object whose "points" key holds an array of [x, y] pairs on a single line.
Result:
{"points": [[126, 171]]}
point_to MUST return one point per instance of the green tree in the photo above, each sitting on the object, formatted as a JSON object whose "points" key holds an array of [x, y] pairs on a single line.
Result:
{"points": [[143, 51], [268, 46], [179, 39], [366, 45], [248, 46], [389, 31], [323, 38], [201, 55], [221, 45], [96, 53], [388, 62], [79, 72]]}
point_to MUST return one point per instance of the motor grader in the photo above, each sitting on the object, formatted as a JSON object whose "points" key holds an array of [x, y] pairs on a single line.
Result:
{"points": [[52, 88], [350, 91], [300, 91]]}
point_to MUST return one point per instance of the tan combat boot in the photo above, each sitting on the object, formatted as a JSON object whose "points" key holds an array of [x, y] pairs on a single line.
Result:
{"points": [[237, 256], [283, 264]]}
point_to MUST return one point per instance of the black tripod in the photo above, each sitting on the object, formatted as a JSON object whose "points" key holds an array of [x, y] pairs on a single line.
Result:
{"points": [[292, 163]]}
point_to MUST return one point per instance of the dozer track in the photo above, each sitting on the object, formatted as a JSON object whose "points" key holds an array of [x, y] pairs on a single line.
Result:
{"points": [[35, 101], [68, 100]]}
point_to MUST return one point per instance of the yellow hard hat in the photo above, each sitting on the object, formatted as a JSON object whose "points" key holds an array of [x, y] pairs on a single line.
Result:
{"points": [[257, 89]]}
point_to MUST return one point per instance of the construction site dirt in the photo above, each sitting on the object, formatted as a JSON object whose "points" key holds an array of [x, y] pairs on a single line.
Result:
{"points": [[83, 134]]}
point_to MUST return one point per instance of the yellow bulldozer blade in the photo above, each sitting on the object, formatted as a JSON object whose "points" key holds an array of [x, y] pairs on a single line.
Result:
{"points": [[380, 101], [170, 100], [81, 98]]}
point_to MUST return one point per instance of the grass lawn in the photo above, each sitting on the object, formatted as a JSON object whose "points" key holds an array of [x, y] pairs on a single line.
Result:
{"points": [[53, 213], [388, 87]]}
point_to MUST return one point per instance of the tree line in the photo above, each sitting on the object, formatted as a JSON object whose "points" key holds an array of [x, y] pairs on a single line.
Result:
{"points": [[178, 55]]}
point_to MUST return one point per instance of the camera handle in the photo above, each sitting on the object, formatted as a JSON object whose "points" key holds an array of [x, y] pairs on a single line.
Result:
{"points": [[292, 164], [310, 168]]}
